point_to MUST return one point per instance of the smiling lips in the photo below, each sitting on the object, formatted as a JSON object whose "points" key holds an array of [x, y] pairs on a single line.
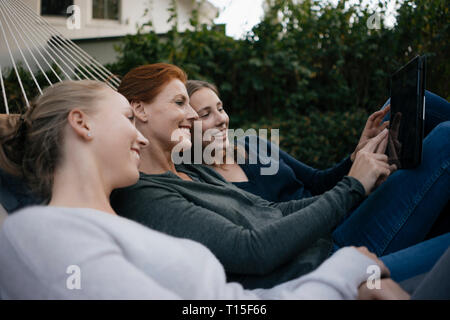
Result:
{"points": [[186, 130], [136, 152], [222, 134]]}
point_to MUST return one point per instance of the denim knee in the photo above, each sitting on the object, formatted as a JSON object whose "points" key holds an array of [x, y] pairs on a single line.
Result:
{"points": [[443, 128], [437, 144], [441, 132]]}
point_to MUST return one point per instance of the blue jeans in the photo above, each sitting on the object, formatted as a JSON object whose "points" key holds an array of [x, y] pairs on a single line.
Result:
{"points": [[417, 259], [400, 213]]}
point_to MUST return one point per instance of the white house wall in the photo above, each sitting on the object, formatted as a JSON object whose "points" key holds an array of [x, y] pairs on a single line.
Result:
{"points": [[131, 13], [106, 32]]}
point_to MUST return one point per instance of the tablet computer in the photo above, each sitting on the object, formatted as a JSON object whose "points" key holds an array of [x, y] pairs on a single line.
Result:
{"points": [[407, 114]]}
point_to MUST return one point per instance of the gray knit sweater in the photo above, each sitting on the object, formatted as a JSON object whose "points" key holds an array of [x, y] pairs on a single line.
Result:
{"points": [[259, 243]]}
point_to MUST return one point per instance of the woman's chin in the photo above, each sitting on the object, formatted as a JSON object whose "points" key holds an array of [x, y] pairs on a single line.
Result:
{"points": [[185, 144], [222, 143], [131, 179]]}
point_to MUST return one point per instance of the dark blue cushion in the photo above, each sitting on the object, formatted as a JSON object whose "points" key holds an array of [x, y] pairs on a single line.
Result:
{"points": [[14, 193]]}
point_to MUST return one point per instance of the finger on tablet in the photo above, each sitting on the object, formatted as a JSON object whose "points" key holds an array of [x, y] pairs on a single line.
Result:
{"points": [[384, 125], [373, 143], [381, 148]]}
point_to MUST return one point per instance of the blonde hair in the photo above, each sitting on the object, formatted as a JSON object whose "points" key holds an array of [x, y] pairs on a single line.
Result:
{"points": [[31, 144]]}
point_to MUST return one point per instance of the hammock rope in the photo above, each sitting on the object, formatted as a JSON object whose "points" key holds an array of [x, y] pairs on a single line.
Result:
{"points": [[42, 35], [36, 47], [29, 49], [32, 36], [56, 37], [2, 86], [14, 63], [21, 52], [38, 44]]}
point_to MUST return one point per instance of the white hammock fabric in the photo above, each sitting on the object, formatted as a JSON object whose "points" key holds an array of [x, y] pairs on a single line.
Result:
{"points": [[27, 38]]}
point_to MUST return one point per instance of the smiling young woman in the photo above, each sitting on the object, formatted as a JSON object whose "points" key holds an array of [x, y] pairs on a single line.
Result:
{"points": [[398, 214]]}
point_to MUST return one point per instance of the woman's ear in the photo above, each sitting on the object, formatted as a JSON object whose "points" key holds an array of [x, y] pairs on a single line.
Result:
{"points": [[139, 111], [78, 120]]}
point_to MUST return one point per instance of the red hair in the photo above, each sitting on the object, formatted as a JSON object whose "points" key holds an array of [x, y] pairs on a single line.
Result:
{"points": [[144, 83]]}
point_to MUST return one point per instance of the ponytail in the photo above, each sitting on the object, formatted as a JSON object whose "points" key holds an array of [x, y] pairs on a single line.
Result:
{"points": [[11, 134]]}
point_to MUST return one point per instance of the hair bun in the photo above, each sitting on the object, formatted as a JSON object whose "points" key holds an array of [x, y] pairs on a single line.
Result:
{"points": [[11, 138]]}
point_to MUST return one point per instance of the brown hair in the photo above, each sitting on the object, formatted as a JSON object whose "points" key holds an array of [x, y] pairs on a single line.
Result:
{"points": [[144, 83], [192, 86], [31, 144]]}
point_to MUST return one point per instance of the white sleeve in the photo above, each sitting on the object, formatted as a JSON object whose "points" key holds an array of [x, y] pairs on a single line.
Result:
{"points": [[336, 278], [339, 277]]}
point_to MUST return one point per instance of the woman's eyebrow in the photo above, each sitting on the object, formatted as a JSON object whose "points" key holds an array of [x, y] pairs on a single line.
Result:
{"points": [[182, 96]]}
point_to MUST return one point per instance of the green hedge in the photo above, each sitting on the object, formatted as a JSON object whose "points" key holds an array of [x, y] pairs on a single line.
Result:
{"points": [[314, 70], [319, 138]]}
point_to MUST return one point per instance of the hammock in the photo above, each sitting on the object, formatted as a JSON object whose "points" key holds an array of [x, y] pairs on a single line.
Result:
{"points": [[29, 39]]}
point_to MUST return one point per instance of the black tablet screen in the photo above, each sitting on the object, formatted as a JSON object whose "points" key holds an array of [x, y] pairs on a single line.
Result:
{"points": [[406, 121]]}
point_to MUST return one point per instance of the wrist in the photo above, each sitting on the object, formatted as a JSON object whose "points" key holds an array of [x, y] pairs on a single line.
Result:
{"points": [[360, 185]]}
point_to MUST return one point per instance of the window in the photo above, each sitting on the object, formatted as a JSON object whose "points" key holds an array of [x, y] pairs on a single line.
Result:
{"points": [[105, 9], [55, 7]]}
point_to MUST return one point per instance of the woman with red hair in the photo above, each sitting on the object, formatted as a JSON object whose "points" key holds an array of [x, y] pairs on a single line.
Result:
{"points": [[260, 243]]}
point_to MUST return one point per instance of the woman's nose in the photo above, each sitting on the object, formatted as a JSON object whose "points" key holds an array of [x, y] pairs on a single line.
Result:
{"points": [[143, 141], [191, 113], [221, 119]]}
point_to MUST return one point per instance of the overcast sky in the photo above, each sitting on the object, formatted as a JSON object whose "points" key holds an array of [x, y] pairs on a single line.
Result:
{"points": [[238, 15], [241, 15]]}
